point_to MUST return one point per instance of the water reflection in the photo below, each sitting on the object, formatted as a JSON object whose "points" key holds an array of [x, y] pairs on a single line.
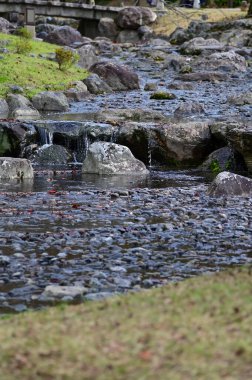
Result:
{"points": [[71, 179]]}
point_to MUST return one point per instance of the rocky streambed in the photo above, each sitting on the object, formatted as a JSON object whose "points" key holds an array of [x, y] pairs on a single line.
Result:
{"points": [[123, 238], [71, 236]]}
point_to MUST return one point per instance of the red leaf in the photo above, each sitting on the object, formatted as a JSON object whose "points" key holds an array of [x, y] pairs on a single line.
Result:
{"points": [[145, 355]]}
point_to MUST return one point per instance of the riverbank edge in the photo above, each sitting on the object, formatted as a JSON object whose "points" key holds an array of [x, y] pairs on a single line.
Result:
{"points": [[200, 328]]}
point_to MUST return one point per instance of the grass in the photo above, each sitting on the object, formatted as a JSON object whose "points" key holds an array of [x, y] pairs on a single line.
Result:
{"points": [[34, 74], [183, 16], [197, 329]]}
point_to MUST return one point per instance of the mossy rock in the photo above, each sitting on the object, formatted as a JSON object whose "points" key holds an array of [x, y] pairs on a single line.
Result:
{"points": [[163, 96]]}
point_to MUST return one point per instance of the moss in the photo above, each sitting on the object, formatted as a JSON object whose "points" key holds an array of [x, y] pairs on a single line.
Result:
{"points": [[186, 69], [163, 96], [215, 167]]}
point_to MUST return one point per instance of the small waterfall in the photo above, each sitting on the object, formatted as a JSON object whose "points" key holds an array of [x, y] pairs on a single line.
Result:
{"points": [[83, 144], [150, 146], [149, 154], [114, 135], [75, 161], [46, 136]]}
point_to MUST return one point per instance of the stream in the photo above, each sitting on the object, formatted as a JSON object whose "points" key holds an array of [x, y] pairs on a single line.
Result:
{"points": [[120, 234]]}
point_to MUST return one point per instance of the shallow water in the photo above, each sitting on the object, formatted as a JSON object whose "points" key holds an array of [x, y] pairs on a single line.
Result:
{"points": [[120, 234], [112, 236]]}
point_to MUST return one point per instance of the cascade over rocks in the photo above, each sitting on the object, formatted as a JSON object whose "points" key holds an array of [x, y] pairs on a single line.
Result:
{"points": [[15, 168], [118, 77], [112, 159], [230, 184], [50, 101], [134, 17], [177, 144]]}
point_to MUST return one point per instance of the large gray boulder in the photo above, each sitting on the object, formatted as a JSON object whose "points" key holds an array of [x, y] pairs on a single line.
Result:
{"points": [[230, 184], [108, 28], [112, 159], [241, 140], [184, 142], [15, 168], [134, 17], [64, 36], [221, 160], [12, 136], [4, 109], [229, 61], [96, 85], [189, 109], [43, 29], [53, 155], [241, 99], [204, 76], [179, 36], [77, 92], [118, 77], [87, 56], [128, 36], [199, 44], [5, 26], [21, 108], [50, 101]]}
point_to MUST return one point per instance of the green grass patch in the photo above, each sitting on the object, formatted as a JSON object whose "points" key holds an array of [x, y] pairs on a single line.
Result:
{"points": [[34, 74], [197, 329]]}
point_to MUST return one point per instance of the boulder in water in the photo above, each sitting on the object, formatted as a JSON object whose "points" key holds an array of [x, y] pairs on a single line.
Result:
{"points": [[112, 159], [197, 45], [189, 109], [118, 77], [15, 168], [97, 85], [230, 184], [53, 154]]}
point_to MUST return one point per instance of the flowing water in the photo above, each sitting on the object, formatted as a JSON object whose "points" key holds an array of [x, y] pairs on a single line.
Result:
{"points": [[118, 234]]}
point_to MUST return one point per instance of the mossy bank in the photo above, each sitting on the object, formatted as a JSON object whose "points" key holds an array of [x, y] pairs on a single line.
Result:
{"points": [[197, 329], [35, 71]]}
